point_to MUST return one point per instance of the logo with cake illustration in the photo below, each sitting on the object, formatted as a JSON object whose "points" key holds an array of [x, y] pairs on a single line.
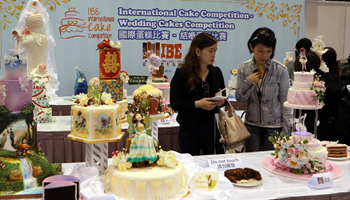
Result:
{"points": [[72, 26]]}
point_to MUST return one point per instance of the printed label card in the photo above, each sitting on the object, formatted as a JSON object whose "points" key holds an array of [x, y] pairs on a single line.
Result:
{"points": [[206, 181], [225, 163], [319, 181]]}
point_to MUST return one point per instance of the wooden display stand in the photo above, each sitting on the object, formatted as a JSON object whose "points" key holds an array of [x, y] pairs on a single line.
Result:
{"points": [[96, 151]]}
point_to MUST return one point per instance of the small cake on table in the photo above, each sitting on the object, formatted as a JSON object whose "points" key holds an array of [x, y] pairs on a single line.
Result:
{"points": [[336, 150]]}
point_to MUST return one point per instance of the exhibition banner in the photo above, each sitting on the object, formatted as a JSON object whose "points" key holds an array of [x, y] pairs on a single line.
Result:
{"points": [[164, 27]]}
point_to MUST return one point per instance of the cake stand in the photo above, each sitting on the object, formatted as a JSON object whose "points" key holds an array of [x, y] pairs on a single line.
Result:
{"points": [[304, 107], [154, 123], [96, 151]]}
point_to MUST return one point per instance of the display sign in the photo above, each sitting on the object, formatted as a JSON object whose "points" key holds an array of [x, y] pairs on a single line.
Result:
{"points": [[165, 28], [225, 163], [319, 181], [137, 80]]}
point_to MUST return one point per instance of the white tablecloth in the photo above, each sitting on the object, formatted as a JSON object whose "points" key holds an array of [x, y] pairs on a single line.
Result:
{"points": [[275, 186]]}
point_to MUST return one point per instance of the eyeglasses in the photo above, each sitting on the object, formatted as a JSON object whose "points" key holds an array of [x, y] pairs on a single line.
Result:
{"points": [[205, 86]]}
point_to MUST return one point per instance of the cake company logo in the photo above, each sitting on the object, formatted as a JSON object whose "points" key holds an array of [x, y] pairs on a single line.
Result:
{"points": [[72, 26], [170, 54], [98, 27]]}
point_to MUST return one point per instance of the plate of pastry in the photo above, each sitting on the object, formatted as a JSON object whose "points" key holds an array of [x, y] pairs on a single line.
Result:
{"points": [[248, 183], [246, 177], [338, 158]]}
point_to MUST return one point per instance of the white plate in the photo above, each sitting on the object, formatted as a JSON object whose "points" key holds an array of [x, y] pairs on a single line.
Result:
{"points": [[248, 183], [216, 98], [333, 158]]}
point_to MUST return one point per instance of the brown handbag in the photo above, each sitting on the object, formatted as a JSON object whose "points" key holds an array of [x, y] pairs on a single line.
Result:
{"points": [[231, 126]]}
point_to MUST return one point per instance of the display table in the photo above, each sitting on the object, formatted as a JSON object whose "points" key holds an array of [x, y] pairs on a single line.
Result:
{"points": [[59, 149], [278, 187], [62, 107]]}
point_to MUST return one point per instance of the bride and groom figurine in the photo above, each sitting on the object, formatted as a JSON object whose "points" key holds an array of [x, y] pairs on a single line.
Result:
{"points": [[10, 140]]}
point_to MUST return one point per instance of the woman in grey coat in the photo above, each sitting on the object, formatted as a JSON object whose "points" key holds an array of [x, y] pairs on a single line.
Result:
{"points": [[263, 83]]}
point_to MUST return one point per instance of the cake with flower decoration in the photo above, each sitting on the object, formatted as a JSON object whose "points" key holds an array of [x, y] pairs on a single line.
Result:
{"points": [[157, 78], [96, 115], [142, 170], [308, 89], [300, 153]]}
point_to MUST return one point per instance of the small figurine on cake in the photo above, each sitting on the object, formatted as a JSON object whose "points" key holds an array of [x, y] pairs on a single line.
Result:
{"points": [[94, 91], [141, 148], [81, 85]]}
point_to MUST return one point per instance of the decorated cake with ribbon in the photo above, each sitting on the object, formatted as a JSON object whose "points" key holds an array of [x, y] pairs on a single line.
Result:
{"points": [[308, 89]]}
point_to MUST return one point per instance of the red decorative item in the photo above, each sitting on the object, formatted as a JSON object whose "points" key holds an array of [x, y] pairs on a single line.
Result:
{"points": [[115, 153], [109, 63]]}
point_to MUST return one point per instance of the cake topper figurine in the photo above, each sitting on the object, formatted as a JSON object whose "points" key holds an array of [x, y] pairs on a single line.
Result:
{"points": [[300, 125], [94, 91], [303, 59]]}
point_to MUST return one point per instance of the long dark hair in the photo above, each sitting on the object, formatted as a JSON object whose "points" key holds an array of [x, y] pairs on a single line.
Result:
{"points": [[191, 62], [302, 43], [265, 36], [313, 62], [330, 58]]}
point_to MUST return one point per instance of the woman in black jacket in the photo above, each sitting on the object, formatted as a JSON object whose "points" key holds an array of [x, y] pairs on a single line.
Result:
{"points": [[194, 84]]}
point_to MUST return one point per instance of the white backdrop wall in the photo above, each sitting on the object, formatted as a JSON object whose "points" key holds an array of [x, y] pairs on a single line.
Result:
{"points": [[332, 20], [286, 18]]}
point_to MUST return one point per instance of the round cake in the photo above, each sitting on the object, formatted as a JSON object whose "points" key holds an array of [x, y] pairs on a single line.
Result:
{"points": [[151, 183], [301, 96]]}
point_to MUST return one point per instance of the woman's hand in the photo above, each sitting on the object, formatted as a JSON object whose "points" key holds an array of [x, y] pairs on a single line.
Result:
{"points": [[220, 102], [205, 104], [254, 77]]}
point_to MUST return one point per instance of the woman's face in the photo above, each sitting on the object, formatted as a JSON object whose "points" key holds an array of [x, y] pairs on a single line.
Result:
{"points": [[262, 53], [207, 55]]}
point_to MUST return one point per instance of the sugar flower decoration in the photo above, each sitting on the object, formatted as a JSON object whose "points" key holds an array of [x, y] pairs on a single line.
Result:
{"points": [[115, 44], [167, 159], [82, 99], [319, 89], [153, 63], [23, 81], [318, 45], [234, 72], [42, 67], [119, 160], [292, 155], [124, 76], [107, 98]]}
